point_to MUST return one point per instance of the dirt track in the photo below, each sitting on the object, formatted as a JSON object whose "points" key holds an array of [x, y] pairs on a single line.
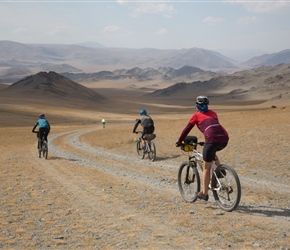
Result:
{"points": [[93, 192]]}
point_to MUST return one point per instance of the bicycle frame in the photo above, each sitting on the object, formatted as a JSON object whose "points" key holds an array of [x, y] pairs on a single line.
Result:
{"points": [[148, 146], [42, 145], [197, 157], [224, 182], [150, 149]]}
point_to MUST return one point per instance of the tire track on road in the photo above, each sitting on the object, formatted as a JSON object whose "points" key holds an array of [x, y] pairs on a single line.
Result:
{"points": [[120, 164]]}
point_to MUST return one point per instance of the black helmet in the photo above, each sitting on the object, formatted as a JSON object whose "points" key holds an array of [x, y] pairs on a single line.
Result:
{"points": [[201, 100], [41, 116]]}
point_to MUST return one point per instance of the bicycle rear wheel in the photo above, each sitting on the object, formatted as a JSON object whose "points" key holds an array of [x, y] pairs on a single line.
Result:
{"points": [[226, 187], [39, 148], [140, 151], [44, 149], [152, 152], [188, 181]]}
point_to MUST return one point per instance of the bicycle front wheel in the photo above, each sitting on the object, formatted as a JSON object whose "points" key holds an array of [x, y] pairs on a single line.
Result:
{"points": [[140, 151], [226, 187], [188, 181], [152, 152]]}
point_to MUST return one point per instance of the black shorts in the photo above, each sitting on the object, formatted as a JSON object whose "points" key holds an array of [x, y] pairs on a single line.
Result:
{"points": [[148, 130], [210, 149], [43, 132]]}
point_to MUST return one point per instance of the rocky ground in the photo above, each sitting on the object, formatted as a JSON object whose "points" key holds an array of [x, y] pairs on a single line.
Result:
{"points": [[93, 192]]}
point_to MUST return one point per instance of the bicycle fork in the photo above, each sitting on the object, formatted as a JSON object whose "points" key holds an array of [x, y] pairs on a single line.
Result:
{"points": [[148, 147]]}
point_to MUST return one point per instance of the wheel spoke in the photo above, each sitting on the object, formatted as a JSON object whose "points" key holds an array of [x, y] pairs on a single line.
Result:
{"points": [[188, 181], [228, 191]]}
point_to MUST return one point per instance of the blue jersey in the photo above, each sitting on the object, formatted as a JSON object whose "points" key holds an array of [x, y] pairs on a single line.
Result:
{"points": [[43, 123]]}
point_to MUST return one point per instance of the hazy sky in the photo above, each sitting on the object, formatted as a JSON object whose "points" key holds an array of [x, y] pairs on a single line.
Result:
{"points": [[180, 24]]}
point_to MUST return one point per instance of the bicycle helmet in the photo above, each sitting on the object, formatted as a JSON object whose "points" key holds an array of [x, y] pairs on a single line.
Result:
{"points": [[143, 112], [201, 103], [41, 116], [202, 99]]}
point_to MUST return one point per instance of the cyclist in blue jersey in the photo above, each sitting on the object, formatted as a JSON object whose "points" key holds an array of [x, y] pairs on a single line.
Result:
{"points": [[44, 127]]}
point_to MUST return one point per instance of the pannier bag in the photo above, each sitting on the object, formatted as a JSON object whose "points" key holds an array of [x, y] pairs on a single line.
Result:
{"points": [[186, 146], [149, 137]]}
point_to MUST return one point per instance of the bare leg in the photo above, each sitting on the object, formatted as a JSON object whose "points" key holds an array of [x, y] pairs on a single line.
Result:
{"points": [[206, 176], [217, 161]]}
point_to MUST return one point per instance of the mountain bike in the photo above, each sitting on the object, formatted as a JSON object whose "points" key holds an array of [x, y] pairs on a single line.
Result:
{"points": [[224, 182], [150, 147], [42, 146]]}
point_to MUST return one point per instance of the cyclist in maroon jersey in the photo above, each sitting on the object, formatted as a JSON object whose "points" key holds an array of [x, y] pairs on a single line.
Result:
{"points": [[215, 136]]}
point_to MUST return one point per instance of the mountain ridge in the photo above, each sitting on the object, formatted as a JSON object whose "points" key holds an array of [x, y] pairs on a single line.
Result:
{"points": [[81, 59], [53, 85], [262, 84], [13, 53]]}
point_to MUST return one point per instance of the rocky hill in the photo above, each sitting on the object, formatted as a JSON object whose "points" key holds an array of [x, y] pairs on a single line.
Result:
{"points": [[186, 73], [266, 83], [270, 59], [55, 86]]}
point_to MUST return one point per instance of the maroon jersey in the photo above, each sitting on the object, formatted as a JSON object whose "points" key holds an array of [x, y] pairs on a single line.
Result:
{"points": [[209, 125]]}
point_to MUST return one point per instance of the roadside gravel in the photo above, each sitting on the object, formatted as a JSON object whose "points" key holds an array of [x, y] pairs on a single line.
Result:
{"points": [[95, 193], [161, 175]]}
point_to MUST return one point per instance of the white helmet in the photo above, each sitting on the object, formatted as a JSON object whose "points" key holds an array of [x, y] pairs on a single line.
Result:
{"points": [[202, 99]]}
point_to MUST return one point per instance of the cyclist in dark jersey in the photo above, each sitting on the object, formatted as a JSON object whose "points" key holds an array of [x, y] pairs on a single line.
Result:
{"points": [[147, 123], [215, 136], [44, 127]]}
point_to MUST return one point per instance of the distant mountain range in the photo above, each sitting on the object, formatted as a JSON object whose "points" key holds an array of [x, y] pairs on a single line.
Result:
{"points": [[186, 73], [80, 58], [258, 85], [270, 59]]}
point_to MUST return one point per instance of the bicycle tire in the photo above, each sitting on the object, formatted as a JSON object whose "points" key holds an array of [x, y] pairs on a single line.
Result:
{"points": [[44, 149], [228, 195], [152, 151], [39, 148], [140, 151], [188, 181]]}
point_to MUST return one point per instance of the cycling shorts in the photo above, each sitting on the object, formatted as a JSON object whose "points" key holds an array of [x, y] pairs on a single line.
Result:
{"points": [[148, 130], [43, 132], [210, 149]]}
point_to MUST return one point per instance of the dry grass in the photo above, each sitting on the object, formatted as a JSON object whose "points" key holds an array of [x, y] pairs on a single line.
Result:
{"points": [[59, 204]]}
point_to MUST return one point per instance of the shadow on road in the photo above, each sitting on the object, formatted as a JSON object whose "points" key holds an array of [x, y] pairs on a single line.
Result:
{"points": [[167, 158], [61, 158], [264, 210]]}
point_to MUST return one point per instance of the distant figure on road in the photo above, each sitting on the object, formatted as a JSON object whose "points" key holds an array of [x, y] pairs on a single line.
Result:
{"points": [[104, 122]]}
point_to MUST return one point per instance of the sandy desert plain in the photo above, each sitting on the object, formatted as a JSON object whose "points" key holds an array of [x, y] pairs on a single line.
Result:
{"points": [[94, 193]]}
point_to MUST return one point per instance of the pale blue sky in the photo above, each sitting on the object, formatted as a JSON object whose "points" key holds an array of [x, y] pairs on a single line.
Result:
{"points": [[180, 24]]}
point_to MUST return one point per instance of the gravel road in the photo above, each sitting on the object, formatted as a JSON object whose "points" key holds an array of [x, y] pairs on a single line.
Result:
{"points": [[252, 225]]}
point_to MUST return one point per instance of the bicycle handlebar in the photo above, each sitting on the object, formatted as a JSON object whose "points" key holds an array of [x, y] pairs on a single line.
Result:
{"points": [[195, 143]]}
